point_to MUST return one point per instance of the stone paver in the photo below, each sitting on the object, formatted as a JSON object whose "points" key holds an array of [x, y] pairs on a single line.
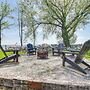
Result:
{"points": [[43, 70]]}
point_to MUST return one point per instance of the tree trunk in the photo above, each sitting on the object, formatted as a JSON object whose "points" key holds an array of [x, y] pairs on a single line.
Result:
{"points": [[65, 37], [34, 38], [66, 40], [21, 37], [21, 29], [0, 33], [34, 42]]}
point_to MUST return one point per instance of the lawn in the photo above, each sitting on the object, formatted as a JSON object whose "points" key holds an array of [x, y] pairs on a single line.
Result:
{"points": [[9, 53], [87, 56], [2, 55]]}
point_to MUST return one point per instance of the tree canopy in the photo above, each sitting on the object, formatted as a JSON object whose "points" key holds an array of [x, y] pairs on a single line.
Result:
{"points": [[29, 16], [5, 12], [62, 17]]}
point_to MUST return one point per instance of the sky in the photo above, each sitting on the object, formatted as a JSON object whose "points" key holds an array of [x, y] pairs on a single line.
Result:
{"points": [[11, 36]]}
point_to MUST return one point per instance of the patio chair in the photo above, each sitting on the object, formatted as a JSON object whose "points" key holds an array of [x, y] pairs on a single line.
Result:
{"points": [[31, 49], [7, 58], [76, 60], [57, 49]]}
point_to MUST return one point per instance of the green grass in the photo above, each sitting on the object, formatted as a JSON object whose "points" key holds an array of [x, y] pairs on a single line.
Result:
{"points": [[22, 52], [2, 55], [87, 56], [9, 53]]}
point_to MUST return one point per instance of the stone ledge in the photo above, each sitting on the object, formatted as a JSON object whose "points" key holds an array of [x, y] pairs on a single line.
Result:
{"points": [[14, 84]]}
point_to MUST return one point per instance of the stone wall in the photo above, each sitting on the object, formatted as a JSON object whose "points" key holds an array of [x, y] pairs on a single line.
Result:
{"points": [[13, 84]]}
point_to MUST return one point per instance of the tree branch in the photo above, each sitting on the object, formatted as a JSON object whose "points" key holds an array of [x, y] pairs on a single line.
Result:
{"points": [[7, 26], [54, 18], [53, 10], [78, 16], [57, 8], [49, 23]]}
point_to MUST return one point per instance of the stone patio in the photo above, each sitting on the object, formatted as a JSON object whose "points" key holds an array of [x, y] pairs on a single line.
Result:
{"points": [[43, 70]]}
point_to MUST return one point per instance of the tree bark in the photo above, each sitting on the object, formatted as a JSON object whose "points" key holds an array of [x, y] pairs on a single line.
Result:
{"points": [[34, 37], [21, 36], [66, 40], [21, 33], [65, 36], [0, 32]]}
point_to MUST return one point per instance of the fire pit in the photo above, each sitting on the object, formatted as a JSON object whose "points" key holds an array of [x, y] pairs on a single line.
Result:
{"points": [[42, 53]]}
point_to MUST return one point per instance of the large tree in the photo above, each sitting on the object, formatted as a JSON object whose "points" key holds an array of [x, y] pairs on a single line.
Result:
{"points": [[20, 21], [5, 12], [29, 22], [64, 16]]}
